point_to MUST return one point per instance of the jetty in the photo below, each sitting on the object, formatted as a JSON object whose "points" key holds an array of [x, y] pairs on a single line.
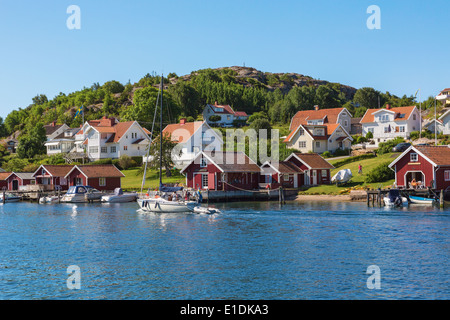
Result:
{"points": [[375, 197]]}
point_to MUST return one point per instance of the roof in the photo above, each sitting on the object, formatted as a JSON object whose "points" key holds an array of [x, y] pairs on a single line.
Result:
{"points": [[302, 117], [98, 171], [445, 90], [4, 175], [440, 155], [23, 175], [313, 161], [369, 117], [228, 161], [181, 132], [51, 128], [55, 170], [329, 130], [436, 155], [227, 109], [285, 167], [111, 125]]}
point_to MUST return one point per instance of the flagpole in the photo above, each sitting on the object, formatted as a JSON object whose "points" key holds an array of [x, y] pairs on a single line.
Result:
{"points": [[435, 123], [420, 116]]}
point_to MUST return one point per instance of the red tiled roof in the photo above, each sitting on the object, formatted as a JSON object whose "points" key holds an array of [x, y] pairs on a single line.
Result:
{"points": [[181, 132], [369, 117], [440, 155], [302, 117], [288, 167], [4, 175], [100, 171], [314, 160], [56, 170], [235, 165], [226, 109]]}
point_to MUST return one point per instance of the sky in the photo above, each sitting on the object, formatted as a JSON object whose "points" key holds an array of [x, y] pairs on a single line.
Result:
{"points": [[124, 40]]}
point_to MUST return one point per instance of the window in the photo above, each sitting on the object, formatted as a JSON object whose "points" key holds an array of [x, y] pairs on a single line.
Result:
{"points": [[104, 149], [386, 129], [414, 157], [384, 118], [301, 132], [102, 182], [317, 144], [78, 181], [345, 123], [414, 116], [324, 173], [113, 149], [202, 162], [125, 148], [402, 129], [204, 181], [93, 149], [447, 175], [302, 144], [370, 130]]}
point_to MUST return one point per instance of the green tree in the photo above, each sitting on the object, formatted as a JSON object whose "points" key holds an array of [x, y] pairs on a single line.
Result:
{"points": [[33, 143], [167, 147], [367, 97]]}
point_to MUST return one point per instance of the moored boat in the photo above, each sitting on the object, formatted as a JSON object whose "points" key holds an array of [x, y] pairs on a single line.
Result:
{"points": [[422, 200], [394, 199], [49, 199], [81, 194], [164, 205], [9, 197], [119, 196], [205, 210]]}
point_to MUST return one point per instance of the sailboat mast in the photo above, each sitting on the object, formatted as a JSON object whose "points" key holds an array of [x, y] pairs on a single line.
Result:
{"points": [[161, 133]]}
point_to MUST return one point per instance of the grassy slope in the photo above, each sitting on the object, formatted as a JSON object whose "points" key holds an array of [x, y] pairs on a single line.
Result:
{"points": [[133, 180], [357, 180]]}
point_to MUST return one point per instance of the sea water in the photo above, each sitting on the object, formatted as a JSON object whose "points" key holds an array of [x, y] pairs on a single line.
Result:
{"points": [[251, 250]]}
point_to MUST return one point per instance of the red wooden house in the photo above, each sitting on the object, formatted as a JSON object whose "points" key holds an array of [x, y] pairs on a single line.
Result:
{"points": [[423, 166], [316, 170], [16, 180], [52, 177], [101, 177], [222, 170], [284, 174]]}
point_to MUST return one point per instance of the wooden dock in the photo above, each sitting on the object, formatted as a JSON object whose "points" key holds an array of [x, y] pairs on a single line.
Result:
{"points": [[375, 197]]}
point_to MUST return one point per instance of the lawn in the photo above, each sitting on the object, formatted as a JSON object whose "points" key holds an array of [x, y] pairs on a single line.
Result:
{"points": [[358, 179], [133, 179]]}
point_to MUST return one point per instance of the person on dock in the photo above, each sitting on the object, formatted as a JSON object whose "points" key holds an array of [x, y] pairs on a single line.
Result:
{"points": [[360, 169]]}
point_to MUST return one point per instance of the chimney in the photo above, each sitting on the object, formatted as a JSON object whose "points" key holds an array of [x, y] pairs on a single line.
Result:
{"points": [[53, 123], [182, 120], [388, 106], [316, 107], [215, 103]]}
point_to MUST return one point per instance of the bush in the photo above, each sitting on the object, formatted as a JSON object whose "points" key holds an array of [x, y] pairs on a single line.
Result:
{"points": [[380, 173], [341, 152], [102, 161], [326, 154], [126, 162], [369, 135], [386, 147]]}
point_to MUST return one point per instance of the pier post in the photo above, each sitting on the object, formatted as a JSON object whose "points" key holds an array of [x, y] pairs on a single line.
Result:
{"points": [[4, 196], [379, 198], [441, 199]]}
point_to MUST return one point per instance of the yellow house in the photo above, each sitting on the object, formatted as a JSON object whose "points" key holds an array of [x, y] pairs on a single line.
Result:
{"points": [[319, 138]]}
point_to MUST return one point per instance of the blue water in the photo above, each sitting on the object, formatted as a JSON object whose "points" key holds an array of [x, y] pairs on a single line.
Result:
{"points": [[251, 250]]}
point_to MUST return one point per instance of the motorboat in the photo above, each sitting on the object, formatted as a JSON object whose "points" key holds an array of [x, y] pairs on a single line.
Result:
{"points": [[49, 199], [165, 205], [81, 194], [9, 197], [119, 196], [394, 199], [422, 200], [205, 210]]}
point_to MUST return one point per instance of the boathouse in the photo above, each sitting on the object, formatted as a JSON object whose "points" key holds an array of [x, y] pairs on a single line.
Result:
{"points": [[423, 167], [101, 177], [316, 170], [222, 170], [52, 177], [18, 180], [284, 174]]}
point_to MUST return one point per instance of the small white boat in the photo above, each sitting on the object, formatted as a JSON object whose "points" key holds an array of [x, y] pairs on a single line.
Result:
{"points": [[9, 197], [394, 199], [119, 196], [163, 205], [342, 176], [81, 194], [421, 200], [49, 199], [205, 210]]}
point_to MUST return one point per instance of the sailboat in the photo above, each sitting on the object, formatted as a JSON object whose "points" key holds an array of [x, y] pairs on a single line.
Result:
{"points": [[159, 203]]}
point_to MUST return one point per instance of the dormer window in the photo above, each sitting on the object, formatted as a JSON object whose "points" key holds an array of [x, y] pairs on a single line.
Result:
{"points": [[414, 157], [203, 162]]}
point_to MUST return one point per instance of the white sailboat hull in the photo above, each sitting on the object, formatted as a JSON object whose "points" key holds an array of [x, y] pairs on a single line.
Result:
{"points": [[126, 197], [162, 205]]}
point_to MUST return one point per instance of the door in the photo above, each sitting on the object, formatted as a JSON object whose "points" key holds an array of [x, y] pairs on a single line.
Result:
{"points": [[314, 175], [204, 181], [295, 180], [15, 184]]}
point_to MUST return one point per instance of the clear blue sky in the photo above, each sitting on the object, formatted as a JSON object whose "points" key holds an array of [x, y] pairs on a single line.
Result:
{"points": [[124, 40]]}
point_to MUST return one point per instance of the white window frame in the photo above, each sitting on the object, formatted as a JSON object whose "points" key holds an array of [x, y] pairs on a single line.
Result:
{"points": [[302, 144], [204, 178], [413, 157], [102, 182], [447, 175]]}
